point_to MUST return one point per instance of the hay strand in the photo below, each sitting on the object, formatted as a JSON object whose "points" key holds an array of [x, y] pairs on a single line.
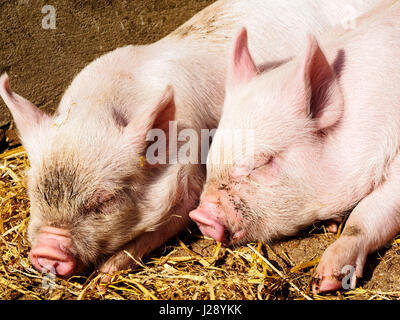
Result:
{"points": [[279, 273]]}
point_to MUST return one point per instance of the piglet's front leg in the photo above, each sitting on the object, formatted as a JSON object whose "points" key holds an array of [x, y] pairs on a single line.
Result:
{"points": [[371, 225], [140, 247]]}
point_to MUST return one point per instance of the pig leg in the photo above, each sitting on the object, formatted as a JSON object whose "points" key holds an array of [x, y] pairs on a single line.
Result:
{"points": [[371, 225], [142, 246], [189, 185]]}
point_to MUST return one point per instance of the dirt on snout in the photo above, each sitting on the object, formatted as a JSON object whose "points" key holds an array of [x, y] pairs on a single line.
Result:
{"points": [[41, 62]]}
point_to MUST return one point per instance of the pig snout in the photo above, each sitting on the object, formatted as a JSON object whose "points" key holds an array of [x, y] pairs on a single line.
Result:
{"points": [[52, 252], [209, 217], [207, 222]]}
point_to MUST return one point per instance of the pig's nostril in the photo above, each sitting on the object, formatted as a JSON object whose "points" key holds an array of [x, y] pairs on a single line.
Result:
{"points": [[46, 264], [52, 252], [48, 257]]}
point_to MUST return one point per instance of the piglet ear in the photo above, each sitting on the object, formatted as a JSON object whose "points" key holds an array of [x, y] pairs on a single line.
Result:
{"points": [[158, 116], [319, 87], [162, 112], [242, 68], [26, 115]]}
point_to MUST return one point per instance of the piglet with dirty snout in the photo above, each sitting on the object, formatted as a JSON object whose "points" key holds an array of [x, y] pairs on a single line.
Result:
{"points": [[325, 131]]}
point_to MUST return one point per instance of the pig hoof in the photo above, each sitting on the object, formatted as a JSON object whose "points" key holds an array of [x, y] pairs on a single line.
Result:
{"points": [[101, 282], [331, 226], [104, 281], [340, 266], [105, 277], [325, 284]]}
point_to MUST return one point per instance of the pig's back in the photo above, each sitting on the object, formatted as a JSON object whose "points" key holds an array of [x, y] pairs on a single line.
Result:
{"points": [[194, 57], [368, 65], [367, 61], [277, 29]]}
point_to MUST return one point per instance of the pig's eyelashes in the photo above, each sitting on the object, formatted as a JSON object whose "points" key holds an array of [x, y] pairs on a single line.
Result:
{"points": [[102, 206], [266, 163], [245, 168], [101, 201], [108, 201]]}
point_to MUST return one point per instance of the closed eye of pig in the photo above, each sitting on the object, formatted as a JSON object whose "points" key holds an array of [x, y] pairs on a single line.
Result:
{"points": [[101, 201], [265, 165], [267, 172]]}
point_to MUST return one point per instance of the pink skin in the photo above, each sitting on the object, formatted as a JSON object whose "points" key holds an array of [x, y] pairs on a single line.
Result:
{"points": [[52, 251], [204, 216], [207, 223], [217, 218], [333, 133]]}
